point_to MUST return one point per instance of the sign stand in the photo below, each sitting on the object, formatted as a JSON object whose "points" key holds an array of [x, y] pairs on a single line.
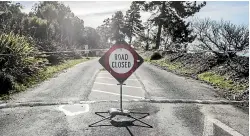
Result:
{"points": [[121, 96], [114, 112], [131, 60]]}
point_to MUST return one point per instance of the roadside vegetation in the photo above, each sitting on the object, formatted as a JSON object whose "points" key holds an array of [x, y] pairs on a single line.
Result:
{"points": [[42, 75], [222, 82], [231, 82], [32, 45]]}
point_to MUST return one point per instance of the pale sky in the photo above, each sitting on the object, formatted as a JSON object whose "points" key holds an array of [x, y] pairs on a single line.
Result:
{"points": [[94, 12]]}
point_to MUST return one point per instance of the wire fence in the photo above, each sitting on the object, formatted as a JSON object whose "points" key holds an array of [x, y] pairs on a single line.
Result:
{"points": [[189, 51], [56, 52]]}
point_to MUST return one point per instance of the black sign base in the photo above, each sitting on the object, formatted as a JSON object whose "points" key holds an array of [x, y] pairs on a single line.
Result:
{"points": [[122, 123]]}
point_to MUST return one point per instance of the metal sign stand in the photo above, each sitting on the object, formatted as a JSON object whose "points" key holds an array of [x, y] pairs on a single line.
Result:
{"points": [[127, 118], [121, 96], [114, 112]]}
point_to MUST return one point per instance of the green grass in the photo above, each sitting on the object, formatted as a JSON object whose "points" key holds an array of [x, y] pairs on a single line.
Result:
{"points": [[215, 79], [146, 59], [177, 66], [103, 69], [46, 73], [221, 81]]}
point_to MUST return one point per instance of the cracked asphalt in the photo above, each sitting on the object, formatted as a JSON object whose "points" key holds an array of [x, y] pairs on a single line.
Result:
{"points": [[70, 99]]}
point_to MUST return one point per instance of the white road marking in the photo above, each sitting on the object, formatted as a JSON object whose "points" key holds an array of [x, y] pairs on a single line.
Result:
{"points": [[208, 127], [115, 79], [116, 85], [69, 113], [117, 94], [104, 74], [107, 73]]}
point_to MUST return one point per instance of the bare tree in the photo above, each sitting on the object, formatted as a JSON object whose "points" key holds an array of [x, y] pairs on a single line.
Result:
{"points": [[224, 39], [221, 37]]}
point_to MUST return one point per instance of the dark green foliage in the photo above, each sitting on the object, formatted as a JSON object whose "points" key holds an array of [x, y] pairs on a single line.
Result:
{"points": [[113, 29], [19, 61], [171, 18], [155, 56], [132, 21], [54, 59], [20, 53], [105, 33], [10, 17], [6, 83], [118, 28]]}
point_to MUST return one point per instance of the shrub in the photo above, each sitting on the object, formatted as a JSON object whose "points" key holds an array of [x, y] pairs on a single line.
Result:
{"points": [[6, 83], [55, 59], [18, 60], [155, 56]]}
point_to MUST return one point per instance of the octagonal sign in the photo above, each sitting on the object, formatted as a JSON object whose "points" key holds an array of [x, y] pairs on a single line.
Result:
{"points": [[121, 61]]}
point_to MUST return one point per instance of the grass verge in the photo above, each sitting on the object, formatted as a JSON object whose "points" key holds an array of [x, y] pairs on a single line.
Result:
{"points": [[210, 77], [44, 74], [173, 66], [221, 82]]}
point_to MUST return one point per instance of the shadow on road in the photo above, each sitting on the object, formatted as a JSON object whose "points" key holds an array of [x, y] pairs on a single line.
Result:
{"points": [[122, 123], [125, 124]]}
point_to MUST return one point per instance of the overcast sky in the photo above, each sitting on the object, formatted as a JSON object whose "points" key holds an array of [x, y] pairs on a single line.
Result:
{"points": [[94, 12]]}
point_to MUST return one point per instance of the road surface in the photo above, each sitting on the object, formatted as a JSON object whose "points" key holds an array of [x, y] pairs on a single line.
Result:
{"points": [[65, 106]]}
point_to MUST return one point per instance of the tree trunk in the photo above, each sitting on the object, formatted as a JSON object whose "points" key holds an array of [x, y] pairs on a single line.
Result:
{"points": [[131, 31], [158, 37], [147, 45], [130, 39]]}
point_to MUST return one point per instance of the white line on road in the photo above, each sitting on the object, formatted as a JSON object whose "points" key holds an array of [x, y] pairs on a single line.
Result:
{"points": [[208, 127], [115, 79], [117, 94], [102, 73], [105, 74], [116, 85]]}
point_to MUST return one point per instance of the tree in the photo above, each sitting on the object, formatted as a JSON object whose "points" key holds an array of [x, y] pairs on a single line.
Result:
{"points": [[63, 28], [168, 13], [133, 22], [51, 26], [92, 37], [222, 38], [105, 33], [10, 17], [178, 34], [118, 28]]}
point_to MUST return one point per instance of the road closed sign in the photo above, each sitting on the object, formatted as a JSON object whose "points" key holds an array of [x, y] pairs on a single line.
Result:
{"points": [[121, 61]]}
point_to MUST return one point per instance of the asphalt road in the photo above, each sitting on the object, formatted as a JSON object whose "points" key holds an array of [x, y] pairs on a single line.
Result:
{"points": [[73, 84], [65, 106]]}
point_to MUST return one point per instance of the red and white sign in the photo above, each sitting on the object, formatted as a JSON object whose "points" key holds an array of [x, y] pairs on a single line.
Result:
{"points": [[121, 61]]}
